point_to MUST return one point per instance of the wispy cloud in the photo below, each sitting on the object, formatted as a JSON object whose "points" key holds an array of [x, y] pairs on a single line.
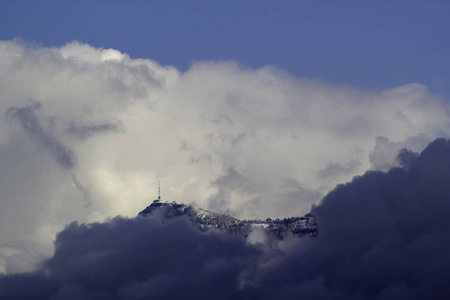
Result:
{"points": [[30, 123], [85, 131]]}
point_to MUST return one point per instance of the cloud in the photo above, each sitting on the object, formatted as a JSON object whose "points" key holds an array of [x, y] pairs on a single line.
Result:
{"points": [[95, 125], [406, 158], [381, 236], [85, 131], [151, 259], [384, 155]]}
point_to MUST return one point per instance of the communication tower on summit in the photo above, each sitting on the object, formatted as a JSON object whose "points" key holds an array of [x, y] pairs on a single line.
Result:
{"points": [[159, 190], [159, 193]]}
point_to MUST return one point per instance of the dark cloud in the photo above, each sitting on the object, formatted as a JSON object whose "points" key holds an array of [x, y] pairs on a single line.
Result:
{"points": [[381, 236], [85, 131], [140, 258], [30, 123], [406, 158]]}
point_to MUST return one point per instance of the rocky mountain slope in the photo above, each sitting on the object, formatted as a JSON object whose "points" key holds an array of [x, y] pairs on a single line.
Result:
{"points": [[305, 226]]}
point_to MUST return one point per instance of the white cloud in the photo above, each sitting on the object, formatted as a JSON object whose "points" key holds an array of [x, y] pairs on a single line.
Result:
{"points": [[255, 143]]}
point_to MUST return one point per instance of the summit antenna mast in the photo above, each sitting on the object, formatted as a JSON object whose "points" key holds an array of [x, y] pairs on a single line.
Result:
{"points": [[159, 190]]}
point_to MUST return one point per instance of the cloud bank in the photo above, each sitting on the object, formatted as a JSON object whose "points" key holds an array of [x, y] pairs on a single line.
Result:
{"points": [[381, 236], [87, 133]]}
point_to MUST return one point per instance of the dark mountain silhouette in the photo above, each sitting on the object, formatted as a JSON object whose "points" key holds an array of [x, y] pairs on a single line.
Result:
{"points": [[305, 226]]}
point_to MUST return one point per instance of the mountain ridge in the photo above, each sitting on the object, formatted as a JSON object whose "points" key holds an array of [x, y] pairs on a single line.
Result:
{"points": [[204, 220]]}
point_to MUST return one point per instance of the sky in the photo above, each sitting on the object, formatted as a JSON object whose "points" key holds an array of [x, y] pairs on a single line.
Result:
{"points": [[367, 44], [254, 109]]}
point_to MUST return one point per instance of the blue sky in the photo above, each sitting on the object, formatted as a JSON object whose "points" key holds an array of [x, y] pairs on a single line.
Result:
{"points": [[366, 44]]}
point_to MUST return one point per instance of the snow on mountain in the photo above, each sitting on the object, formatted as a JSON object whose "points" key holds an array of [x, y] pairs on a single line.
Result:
{"points": [[305, 226]]}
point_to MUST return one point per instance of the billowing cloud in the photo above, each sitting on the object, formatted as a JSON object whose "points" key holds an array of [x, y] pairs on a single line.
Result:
{"points": [[381, 236], [83, 125]]}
